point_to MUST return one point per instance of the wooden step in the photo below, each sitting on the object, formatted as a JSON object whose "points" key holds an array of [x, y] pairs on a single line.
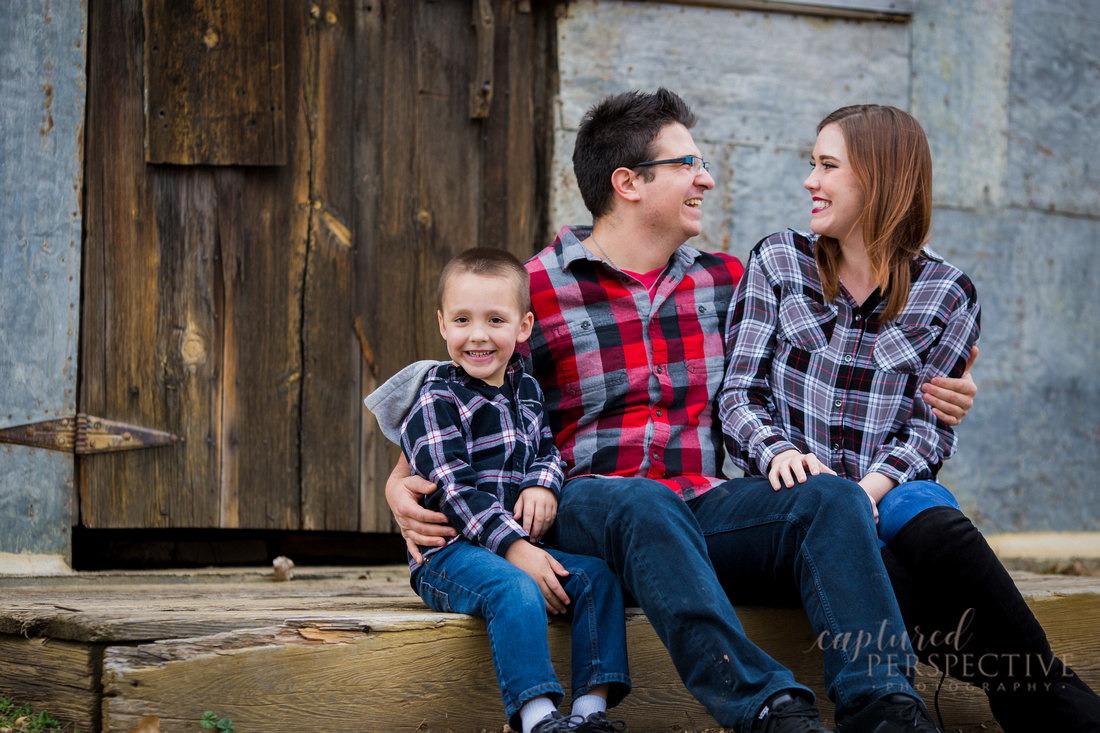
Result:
{"points": [[351, 650]]}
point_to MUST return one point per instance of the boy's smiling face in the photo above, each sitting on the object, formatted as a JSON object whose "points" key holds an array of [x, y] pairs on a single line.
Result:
{"points": [[482, 323]]}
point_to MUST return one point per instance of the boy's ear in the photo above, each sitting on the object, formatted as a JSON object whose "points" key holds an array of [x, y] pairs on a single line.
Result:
{"points": [[624, 181], [442, 330], [525, 327]]}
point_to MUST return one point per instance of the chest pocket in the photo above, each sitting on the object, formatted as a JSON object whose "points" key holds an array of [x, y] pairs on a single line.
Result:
{"points": [[902, 349], [596, 342], [804, 323], [701, 337]]}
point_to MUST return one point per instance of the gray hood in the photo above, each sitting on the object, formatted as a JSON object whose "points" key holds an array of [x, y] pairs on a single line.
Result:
{"points": [[391, 402]]}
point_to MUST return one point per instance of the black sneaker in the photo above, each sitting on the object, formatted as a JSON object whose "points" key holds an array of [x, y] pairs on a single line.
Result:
{"points": [[598, 723], [555, 722], [787, 713], [895, 713]]}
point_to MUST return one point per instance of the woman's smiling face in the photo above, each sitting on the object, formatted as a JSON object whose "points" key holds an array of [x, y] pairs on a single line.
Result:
{"points": [[838, 199]]}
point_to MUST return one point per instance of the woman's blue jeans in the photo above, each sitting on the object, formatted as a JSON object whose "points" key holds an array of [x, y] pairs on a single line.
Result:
{"points": [[906, 501], [466, 578], [684, 561]]}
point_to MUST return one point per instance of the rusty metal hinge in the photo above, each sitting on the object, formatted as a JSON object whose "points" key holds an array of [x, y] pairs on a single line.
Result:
{"points": [[84, 434]]}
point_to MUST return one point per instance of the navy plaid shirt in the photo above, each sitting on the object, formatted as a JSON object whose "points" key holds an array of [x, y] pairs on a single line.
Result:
{"points": [[830, 378], [481, 449]]}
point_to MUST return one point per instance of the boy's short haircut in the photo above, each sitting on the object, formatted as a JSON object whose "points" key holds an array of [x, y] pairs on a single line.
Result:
{"points": [[489, 262], [618, 133]]}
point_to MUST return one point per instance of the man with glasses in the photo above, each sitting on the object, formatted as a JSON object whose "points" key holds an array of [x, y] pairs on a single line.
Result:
{"points": [[629, 347]]}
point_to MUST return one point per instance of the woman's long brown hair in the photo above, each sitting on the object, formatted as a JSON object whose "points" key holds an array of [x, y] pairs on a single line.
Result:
{"points": [[889, 154]]}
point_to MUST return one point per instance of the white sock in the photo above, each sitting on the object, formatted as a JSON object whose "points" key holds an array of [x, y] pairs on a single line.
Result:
{"points": [[585, 705], [535, 710]]}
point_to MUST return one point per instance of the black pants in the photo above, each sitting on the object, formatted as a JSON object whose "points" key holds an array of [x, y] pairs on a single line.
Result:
{"points": [[966, 617]]}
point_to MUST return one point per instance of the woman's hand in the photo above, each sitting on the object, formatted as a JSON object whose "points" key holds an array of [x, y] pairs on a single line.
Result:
{"points": [[791, 465]]}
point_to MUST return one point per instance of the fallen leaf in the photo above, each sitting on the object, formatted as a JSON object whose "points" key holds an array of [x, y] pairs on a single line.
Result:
{"points": [[148, 724]]}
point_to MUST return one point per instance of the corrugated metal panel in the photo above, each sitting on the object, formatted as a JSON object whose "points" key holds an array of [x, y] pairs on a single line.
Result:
{"points": [[759, 82], [42, 54]]}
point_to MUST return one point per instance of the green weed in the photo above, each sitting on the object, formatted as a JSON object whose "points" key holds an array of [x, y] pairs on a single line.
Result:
{"points": [[210, 720], [21, 719]]}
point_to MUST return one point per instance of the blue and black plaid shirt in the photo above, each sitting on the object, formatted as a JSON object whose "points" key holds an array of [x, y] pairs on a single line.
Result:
{"points": [[481, 448]]}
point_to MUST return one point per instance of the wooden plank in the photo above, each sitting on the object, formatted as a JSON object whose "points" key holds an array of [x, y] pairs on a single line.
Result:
{"points": [[261, 238], [391, 304], [58, 676], [151, 336], [183, 480], [362, 670], [448, 166], [350, 643], [330, 388], [122, 257], [214, 82]]}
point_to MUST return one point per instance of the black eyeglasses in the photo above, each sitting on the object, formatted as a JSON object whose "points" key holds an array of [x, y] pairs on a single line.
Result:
{"points": [[697, 164]]}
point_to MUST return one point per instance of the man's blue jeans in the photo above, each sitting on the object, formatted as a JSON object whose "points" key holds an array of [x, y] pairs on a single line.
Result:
{"points": [[815, 542], [466, 578]]}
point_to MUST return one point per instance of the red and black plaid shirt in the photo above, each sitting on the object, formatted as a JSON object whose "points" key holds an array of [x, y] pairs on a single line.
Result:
{"points": [[630, 383]]}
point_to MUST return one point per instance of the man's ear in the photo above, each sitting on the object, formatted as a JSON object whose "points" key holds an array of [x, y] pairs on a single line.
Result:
{"points": [[624, 182], [525, 327]]}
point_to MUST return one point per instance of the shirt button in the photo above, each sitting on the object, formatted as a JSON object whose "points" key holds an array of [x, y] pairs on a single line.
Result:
{"points": [[658, 413], [658, 370], [857, 316], [836, 446], [656, 457], [848, 357], [837, 403]]}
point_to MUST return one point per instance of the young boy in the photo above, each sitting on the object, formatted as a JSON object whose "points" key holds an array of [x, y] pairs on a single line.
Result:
{"points": [[478, 431]]}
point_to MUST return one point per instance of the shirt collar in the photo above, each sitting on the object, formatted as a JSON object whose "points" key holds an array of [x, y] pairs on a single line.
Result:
{"points": [[571, 250], [455, 373]]}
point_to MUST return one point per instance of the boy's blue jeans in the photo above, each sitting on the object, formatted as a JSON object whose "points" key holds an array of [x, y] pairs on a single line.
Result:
{"points": [[466, 578], [683, 561]]}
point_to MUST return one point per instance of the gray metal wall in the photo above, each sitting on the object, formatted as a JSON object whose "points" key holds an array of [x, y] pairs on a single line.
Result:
{"points": [[42, 52], [1009, 93]]}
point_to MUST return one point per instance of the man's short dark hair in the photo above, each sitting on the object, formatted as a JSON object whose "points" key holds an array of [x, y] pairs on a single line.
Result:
{"points": [[618, 133], [489, 262]]}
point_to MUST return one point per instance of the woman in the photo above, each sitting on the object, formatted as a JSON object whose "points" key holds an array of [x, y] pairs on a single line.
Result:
{"points": [[836, 331]]}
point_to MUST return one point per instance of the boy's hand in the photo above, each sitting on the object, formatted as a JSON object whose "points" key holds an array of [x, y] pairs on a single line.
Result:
{"points": [[951, 399], [404, 492], [790, 465], [536, 509], [541, 566]]}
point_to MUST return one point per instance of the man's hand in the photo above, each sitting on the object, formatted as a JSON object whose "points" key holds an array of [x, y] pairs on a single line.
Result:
{"points": [[419, 526], [791, 465], [951, 399], [541, 566], [536, 509]]}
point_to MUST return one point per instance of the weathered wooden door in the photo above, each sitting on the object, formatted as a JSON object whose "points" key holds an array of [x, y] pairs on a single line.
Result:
{"points": [[271, 189]]}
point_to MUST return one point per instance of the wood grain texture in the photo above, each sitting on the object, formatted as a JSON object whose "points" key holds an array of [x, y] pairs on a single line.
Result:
{"points": [[434, 182], [329, 479], [58, 676], [340, 644], [214, 82], [223, 300]]}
